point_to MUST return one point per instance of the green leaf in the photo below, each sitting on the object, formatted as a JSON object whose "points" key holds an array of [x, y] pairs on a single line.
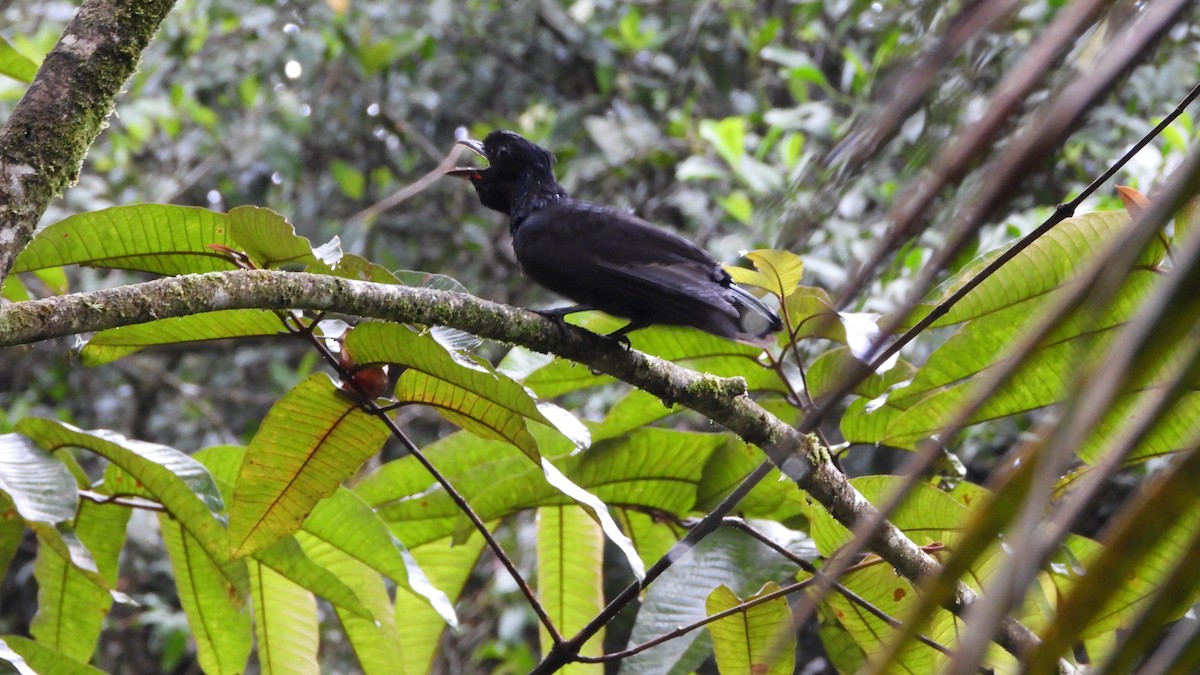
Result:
{"points": [[737, 205], [14, 64], [677, 598], [374, 636], [757, 640], [654, 468], [110, 345], [311, 440], [286, 630], [12, 532], [352, 181], [570, 573], [727, 137], [289, 560], [40, 658], [686, 347], [178, 482], [599, 511], [156, 238], [448, 567], [220, 628], [781, 270], [268, 238], [1045, 265]]}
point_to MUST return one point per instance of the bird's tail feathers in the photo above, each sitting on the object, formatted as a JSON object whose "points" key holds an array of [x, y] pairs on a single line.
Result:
{"points": [[756, 319]]}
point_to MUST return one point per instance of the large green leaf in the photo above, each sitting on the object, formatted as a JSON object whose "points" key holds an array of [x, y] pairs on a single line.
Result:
{"points": [[902, 416], [570, 576], [269, 239], [219, 624], [686, 347], [447, 566], [181, 484], [1045, 265], [927, 516], [368, 542], [373, 634], [726, 557], [314, 438], [653, 468], [110, 345], [286, 630], [759, 639], [157, 238]]}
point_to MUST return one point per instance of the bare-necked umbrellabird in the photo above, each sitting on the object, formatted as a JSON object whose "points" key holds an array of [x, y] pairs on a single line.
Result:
{"points": [[606, 259]]}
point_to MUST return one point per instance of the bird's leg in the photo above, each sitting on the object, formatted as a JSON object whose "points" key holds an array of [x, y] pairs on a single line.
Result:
{"points": [[556, 315], [559, 312]]}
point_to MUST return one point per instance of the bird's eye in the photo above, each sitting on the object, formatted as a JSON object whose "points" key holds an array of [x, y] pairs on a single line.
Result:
{"points": [[502, 152]]}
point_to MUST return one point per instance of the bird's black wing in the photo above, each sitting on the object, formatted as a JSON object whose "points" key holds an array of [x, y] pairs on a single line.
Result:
{"points": [[621, 264]]}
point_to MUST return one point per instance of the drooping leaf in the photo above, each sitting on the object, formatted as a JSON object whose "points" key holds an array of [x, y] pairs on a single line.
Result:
{"points": [[599, 511], [181, 484], [219, 623], [268, 238], [157, 238], [570, 576], [374, 636], [653, 467], [392, 343], [314, 438], [447, 566], [726, 557], [286, 630]]}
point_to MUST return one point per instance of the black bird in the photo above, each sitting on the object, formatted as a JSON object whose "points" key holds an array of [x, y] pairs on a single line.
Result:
{"points": [[606, 259]]}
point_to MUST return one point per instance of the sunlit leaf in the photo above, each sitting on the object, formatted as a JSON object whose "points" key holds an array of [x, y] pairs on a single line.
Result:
{"points": [[314, 438], [286, 630], [157, 238], [268, 238], [570, 574]]}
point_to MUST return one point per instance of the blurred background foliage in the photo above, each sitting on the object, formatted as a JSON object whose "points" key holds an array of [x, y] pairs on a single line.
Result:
{"points": [[721, 120]]}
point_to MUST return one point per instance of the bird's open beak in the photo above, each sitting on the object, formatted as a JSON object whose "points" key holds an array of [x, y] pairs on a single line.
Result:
{"points": [[470, 173]]}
